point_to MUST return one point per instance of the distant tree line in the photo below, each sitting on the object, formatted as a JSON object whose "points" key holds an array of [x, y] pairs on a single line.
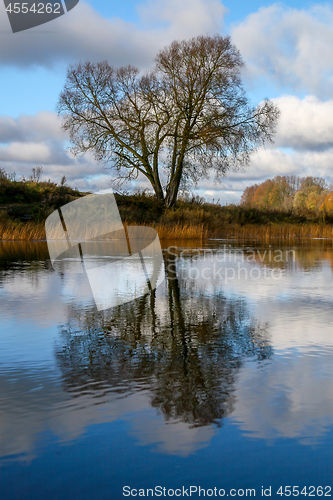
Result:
{"points": [[290, 193]]}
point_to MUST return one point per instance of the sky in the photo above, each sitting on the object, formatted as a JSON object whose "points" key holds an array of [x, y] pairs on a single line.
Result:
{"points": [[288, 53]]}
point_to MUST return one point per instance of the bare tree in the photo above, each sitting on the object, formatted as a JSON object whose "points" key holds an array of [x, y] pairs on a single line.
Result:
{"points": [[178, 123]]}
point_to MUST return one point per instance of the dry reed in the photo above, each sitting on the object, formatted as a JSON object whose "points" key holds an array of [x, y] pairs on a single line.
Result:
{"points": [[281, 231], [31, 231], [181, 231], [22, 231]]}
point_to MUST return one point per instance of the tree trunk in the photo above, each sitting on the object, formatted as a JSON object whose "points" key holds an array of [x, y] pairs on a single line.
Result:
{"points": [[158, 191], [173, 188]]}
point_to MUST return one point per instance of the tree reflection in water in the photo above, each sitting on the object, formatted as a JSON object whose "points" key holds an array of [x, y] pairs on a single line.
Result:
{"points": [[184, 346]]}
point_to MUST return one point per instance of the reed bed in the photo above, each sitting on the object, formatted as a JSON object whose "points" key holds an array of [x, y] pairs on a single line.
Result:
{"points": [[281, 231], [21, 231], [181, 231], [30, 231]]}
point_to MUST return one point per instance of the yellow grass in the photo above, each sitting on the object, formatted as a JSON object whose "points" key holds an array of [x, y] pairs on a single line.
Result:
{"points": [[181, 231], [22, 231], [281, 231], [31, 231]]}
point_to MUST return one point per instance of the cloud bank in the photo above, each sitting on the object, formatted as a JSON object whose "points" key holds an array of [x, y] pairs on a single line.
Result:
{"points": [[292, 48], [84, 34], [303, 146]]}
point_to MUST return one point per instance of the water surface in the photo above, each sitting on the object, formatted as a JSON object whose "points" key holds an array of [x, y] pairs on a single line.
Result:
{"points": [[222, 377]]}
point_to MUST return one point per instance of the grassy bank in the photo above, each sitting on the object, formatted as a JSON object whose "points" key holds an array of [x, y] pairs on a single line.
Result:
{"points": [[31, 231], [25, 205], [194, 219]]}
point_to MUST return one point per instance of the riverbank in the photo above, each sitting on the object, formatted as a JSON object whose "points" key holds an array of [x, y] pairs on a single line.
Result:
{"points": [[19, 231], [26, 204], [189, 220], [33, 232]]}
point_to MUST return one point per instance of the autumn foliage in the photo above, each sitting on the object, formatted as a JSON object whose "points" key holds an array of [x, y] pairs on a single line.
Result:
{"points": [[291, 194]]}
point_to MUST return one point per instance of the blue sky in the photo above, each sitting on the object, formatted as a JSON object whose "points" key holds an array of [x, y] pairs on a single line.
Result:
{"points": [[42, 86], [287, 48]]}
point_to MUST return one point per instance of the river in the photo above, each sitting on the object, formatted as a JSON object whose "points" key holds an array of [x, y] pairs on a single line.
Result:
{"points": [[220, 378]]}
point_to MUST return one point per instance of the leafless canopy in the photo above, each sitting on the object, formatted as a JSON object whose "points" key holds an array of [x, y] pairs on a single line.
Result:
{"points": [[175, 124]]}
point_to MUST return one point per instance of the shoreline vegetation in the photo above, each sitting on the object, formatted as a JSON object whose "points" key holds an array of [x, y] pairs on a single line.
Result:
{"points": [[30, 231], [266, 211]]}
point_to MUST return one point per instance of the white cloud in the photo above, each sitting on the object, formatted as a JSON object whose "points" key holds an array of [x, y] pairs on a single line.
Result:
{"points": [[31, 140], [183, 18], [84, 34], [305, 123], [27, 152], [270, 162], [294, 48], [41, 126]]}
